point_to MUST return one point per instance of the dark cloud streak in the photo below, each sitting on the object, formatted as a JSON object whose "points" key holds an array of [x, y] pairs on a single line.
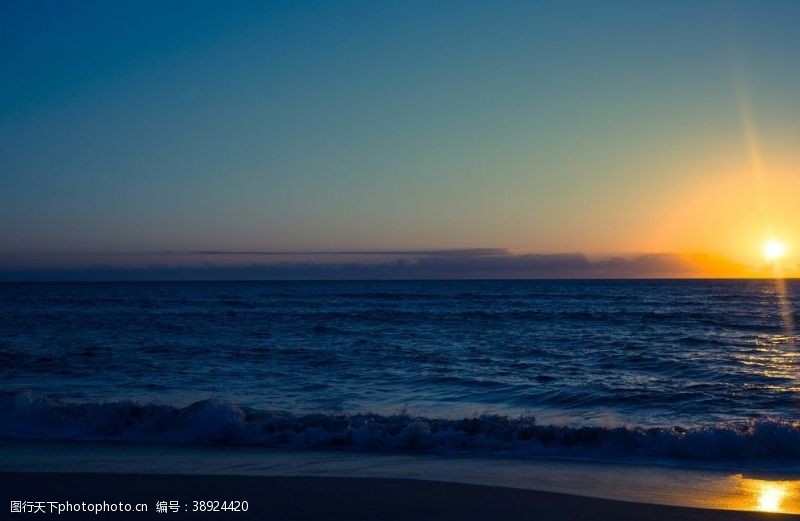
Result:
{"points": [[435, 264], [464, 252]]}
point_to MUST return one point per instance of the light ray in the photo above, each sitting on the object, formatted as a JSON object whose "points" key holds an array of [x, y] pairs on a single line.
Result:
{"points": [[773, 249]]}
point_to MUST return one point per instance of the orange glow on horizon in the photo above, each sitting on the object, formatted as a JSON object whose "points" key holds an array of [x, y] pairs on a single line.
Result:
{"points": [[723, 217]]}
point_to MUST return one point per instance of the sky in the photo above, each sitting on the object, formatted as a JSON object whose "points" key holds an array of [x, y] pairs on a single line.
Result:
{"points": [[302, 139]]}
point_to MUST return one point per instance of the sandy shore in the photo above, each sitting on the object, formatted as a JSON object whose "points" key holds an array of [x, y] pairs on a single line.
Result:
{"points": [[319, 498]]}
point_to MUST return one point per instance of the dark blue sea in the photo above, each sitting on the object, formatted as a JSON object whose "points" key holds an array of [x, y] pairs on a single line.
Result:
{"points": [[674, 369]]}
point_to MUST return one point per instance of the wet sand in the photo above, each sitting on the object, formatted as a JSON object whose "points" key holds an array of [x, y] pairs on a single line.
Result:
{"points": [[325, 498]]}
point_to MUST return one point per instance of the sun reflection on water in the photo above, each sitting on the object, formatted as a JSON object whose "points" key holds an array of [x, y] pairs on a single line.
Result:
{"points": [[761, 495], [771, 496]]}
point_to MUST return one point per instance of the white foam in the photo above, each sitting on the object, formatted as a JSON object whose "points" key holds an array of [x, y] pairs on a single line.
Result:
{"points": [[221, 422]]}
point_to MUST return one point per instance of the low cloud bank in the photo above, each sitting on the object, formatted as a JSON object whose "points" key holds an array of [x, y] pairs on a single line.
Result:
{"points": [[483, 263]]}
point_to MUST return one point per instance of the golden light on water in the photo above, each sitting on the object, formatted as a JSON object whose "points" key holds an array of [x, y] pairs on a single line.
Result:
{"points": [[771, 496], [761, 495]]}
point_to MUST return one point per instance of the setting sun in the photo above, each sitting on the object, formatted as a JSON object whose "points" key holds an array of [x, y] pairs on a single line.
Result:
{"points": [[774, 250]]}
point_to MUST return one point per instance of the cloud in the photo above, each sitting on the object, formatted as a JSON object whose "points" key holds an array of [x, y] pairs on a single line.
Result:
{"points": [[463, 252], [481, 263]]}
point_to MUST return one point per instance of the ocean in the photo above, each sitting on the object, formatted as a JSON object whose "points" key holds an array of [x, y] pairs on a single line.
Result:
{"points": [[700, 370]]}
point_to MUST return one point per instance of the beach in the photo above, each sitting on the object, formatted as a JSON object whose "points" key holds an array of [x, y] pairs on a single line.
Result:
{"points": [[295, 484], [333, 499]]}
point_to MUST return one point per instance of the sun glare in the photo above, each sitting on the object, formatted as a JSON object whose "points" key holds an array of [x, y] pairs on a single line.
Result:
{"points": [[770, 497], [774, 250]]}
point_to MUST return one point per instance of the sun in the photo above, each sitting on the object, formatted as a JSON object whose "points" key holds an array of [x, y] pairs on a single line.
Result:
{"points": [[773, 250]]}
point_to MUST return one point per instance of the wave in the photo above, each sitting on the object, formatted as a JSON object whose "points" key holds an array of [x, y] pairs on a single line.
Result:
{"points": [[221, 422]]}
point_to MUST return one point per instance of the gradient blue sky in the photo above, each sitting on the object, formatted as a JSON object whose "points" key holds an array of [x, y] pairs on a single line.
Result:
{"points": [[540, 126]]}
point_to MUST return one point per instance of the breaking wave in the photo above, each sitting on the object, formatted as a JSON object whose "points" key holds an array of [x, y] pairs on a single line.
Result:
{"points": [[221, 422]]}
